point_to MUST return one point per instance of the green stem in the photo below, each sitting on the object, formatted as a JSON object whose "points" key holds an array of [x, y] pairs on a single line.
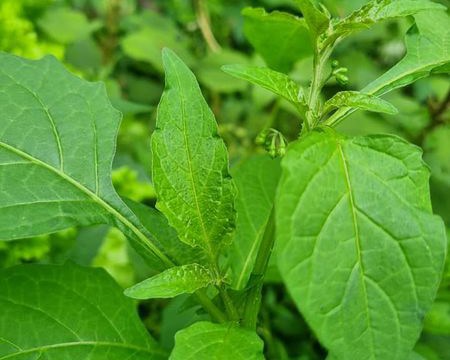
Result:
{"points": [[215, 313], [229, 305], [253, 300]]}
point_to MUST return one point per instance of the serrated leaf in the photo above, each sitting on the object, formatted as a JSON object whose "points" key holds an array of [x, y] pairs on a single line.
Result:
{"points": [[185, 279], [427, 50], [206, 341], [317, 21], [57, 143], [69, 312], [280, 38], [358, 100], [256, 180], [380, 10], [190, 164], [271, 80], [363, 264]]}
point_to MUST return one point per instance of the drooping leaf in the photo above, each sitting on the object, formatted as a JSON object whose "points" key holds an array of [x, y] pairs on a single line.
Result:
{"points": [[185, 279], [280, 38], [205, 341], [256, 180], [317, 21], [271, 80], [377, 11], [427, 50], [358, 100], [190, 163], [57, 142], [69, 312], [359, 248]]}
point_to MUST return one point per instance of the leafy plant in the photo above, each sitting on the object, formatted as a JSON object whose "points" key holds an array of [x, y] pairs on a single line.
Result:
{"points": [[349, 220]]}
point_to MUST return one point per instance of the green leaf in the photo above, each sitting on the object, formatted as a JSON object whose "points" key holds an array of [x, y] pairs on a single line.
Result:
{"points": [[205, 341], [271, 80], [256, 180], [190, 164], [209, 73], [427, 51], [359, 249], [157, 225], [69, 312], [153, 34], [317, 21], [280, 38], [358, 100], [185, 279], [57, 143], [437, 153], [380, 10], [66, 26]]}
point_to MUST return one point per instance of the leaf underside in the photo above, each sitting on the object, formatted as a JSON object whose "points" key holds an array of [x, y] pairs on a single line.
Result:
{"points": [[359, 249]]}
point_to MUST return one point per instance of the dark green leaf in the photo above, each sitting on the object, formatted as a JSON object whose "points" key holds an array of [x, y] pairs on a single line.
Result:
{"points": [[359, 249], [57, 142], [69, 312]]}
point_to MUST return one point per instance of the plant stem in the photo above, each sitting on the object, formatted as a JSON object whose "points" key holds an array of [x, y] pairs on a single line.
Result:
{"points": [[204, 23], [229, 305], [210, 307], [253, 300], [317, 83]]}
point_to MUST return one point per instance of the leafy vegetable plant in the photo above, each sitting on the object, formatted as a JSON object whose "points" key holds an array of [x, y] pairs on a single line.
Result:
{"points": [[348, 220]]}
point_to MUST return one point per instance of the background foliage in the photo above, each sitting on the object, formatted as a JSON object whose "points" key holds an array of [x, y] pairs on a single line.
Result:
{"points": [[120, 41]]}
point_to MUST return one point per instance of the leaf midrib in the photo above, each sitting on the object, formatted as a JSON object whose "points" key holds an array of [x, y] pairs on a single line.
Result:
{"points": [[111, 210], [80, 343]]}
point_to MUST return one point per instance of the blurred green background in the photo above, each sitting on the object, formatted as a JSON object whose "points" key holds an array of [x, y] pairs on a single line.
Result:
{"points": [[119, 42]]}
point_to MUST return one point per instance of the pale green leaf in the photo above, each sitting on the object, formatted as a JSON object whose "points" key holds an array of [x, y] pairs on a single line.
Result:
{"points": [[69, 312], [256, 180], [57, 143], [66, 26], [437, 153], [153, 33], [190, 163], [280, 38], [428, 49], [317, 21], [185, 279], [209, 73], [359, 249], [271, 80], [358, 100], [206, 341]]}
